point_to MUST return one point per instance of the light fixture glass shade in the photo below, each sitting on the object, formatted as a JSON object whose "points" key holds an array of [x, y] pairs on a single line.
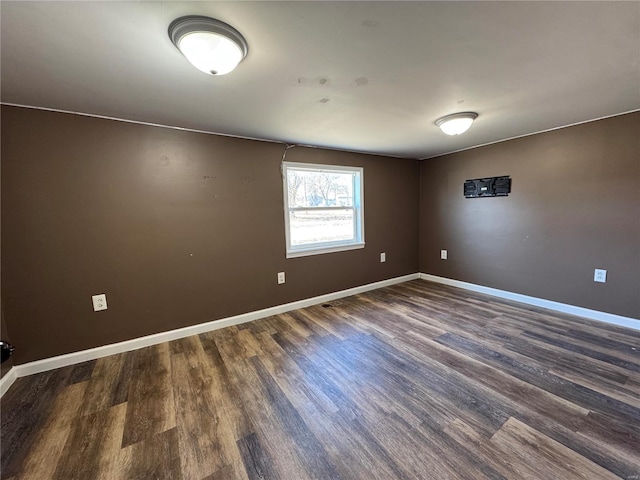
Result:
{"points": [[457, 123], [210, 53], [210, 45]]}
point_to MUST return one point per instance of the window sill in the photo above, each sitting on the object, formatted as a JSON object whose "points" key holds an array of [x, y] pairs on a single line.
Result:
{"points": [[320, 251]]}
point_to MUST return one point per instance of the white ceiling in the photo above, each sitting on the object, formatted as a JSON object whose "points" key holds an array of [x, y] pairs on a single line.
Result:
{"points": [[362, 76]]}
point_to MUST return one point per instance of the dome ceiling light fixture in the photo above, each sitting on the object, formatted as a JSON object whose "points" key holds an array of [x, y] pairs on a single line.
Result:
{"points": [[457, 123], [210, 45]]}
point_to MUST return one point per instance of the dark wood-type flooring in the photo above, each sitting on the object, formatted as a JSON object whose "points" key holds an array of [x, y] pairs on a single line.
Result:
{"points": [[414, 381]]}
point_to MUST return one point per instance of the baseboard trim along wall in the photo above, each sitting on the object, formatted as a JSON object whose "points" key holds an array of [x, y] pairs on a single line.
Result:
{"points": [[539, 302], [7, 380], [94, 353], [85, 355]]}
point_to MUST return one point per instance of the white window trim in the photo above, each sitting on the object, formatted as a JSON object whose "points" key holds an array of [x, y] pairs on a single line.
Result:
{"points": [[358, 207]]}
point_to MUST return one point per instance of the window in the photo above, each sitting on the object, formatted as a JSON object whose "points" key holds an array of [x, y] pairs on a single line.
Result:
{"points": [[322, 208]]}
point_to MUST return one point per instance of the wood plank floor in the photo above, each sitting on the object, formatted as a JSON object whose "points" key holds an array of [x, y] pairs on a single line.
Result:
{"points": [[414, 381]]}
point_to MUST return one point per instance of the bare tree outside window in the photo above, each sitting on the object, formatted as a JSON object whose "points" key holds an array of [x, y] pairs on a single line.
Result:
{"points": [[328, 186], [295, 181], [309, 189]]}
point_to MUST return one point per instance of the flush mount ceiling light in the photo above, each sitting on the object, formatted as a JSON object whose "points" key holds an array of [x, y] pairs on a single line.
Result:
{"points": [[212, 46], [457, 123]]}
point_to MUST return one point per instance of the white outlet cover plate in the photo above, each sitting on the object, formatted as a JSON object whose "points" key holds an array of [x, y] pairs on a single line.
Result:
{"points": [[281, 278], [600, 276], [99, 302], [383, 257], [443, 254]]}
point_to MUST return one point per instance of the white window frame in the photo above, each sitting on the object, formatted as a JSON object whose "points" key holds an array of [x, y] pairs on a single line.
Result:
{"points": [[358, 210]]}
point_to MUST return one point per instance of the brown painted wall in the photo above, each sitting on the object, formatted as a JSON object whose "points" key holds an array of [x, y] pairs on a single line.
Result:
{"points": [[176, 227], [4, 334], [574, 207]]}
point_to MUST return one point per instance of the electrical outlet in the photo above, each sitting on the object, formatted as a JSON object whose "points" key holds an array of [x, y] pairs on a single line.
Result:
{"points": [[443, 254], [99, 302], [383, 257], [280, 278], [600, 276]]}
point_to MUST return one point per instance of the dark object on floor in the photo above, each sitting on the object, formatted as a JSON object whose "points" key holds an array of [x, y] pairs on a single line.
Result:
{"points": [[6, 349]]}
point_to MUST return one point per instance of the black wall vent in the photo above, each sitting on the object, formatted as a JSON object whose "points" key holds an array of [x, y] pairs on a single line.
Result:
{"points": [[487, 187]]}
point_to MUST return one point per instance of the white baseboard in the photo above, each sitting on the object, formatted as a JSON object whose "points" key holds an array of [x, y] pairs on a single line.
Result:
{"points": [[94, 353], [539, 302], [7, 380], [141, 342]]}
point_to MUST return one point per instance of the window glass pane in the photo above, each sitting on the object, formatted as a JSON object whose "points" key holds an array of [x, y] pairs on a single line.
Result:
{"points": [[323, 208], [319, 189], [321, 226]]}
